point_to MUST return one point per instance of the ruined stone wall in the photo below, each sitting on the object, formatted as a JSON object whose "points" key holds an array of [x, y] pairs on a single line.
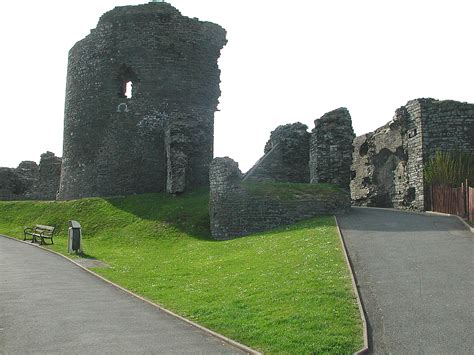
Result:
{"points": [[27, 175], [31, 182], [413, 145], [331, 149], [379, 169], [160, 138], [11, 187], [49, 176], [388, 164], [286, 156], [447, 126], [240, 208]]}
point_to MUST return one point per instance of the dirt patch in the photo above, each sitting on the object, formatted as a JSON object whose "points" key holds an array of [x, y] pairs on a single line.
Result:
{"points": [[91, 263]]}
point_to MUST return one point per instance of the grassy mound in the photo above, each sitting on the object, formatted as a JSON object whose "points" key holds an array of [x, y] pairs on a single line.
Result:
{"points": [[291, 191], [286, 290]]}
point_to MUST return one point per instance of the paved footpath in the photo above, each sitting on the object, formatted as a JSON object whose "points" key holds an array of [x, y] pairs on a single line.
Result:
{"points": [[416, 277], [49, 305]]}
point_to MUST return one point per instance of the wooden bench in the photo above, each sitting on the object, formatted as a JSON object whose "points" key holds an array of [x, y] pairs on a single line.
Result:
{"points": [[39, 231]]}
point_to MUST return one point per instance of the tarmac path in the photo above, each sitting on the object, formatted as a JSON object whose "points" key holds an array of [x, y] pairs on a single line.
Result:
{"points": [[49, 305], [415, 273]]}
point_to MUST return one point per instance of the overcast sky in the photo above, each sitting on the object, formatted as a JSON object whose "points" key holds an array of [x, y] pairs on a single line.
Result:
{"points": [[285, 61]]}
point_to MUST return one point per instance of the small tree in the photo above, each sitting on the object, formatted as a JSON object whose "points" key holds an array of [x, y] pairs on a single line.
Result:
{"points": [[449, 168]]}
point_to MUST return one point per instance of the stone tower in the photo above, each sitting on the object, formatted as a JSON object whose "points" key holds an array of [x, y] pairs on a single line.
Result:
{"points": [[330, 155], [141, 93]]}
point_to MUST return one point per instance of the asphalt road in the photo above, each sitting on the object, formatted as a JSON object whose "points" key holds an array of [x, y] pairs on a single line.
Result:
{"points": [[49, 305], [416, 278]]}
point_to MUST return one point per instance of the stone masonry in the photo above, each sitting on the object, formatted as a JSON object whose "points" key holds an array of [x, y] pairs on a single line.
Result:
{"points": [[331, 149], [12, 187], [30, 181], [240, 208], [387, 169], [49, 176], [158, 136], [286, 156]]}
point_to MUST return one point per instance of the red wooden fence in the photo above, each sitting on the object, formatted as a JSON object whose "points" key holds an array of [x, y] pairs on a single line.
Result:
{"points": [[453, 200], [470, 202]]}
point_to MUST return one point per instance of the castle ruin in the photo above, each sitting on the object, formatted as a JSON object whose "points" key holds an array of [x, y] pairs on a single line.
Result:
{"points": [[286, 156], [141, 93], [331, 149], [292, 154], [30, 181], [239, 208], [142, 90], [388, 164], [241, 204]]}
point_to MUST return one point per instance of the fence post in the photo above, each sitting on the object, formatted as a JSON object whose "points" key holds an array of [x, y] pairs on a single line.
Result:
{"points": [[469, 199], [466, 199], [431, 197]]}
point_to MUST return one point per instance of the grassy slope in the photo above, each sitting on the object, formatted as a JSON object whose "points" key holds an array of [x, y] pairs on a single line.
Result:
{"points": [[291, 191], [282, 291]]}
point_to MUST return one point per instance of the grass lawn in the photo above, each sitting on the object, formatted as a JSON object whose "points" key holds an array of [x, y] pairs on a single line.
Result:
{"points": [[290, 190], [284, 291]]}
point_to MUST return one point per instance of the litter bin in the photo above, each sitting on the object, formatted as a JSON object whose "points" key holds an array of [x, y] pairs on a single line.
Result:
{"points": [[74, 237]]}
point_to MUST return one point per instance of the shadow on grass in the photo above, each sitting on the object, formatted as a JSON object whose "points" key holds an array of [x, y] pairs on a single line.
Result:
{"points": [[188, 213]]}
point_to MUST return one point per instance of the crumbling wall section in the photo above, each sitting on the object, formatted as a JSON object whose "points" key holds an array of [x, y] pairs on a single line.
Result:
{"points": [[286, 156], [160, 138], [388, 164], [379, 169], [240, 208], [27, 174], [11, 187], [331, 149], [30, 181], [49, 176]]}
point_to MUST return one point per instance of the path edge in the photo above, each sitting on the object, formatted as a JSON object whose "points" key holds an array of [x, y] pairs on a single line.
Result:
{"points": [[360, 305], [234, 343], [423, 213], [451, 215]]}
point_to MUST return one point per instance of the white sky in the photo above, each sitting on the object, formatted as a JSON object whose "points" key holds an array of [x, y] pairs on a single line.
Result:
{"points": [[285, 61]]}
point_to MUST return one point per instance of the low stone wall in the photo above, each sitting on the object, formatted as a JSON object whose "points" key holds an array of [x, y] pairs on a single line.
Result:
{"points": [[240, 208]]}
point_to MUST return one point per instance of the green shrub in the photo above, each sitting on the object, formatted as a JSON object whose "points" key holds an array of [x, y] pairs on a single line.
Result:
{"points": [[449, 168]]}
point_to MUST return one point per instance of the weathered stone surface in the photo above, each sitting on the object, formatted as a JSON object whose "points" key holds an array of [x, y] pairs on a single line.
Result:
{"points": [[379, 167], [331, 148], [240, 208], [30, 181], [10, 184], [160, 138], [49, 176], [27, 173], [20, 183], [286, 156], [387, 169]]}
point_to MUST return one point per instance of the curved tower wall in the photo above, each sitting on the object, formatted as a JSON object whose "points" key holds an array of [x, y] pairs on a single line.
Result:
{"points": [[160, 138]]}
